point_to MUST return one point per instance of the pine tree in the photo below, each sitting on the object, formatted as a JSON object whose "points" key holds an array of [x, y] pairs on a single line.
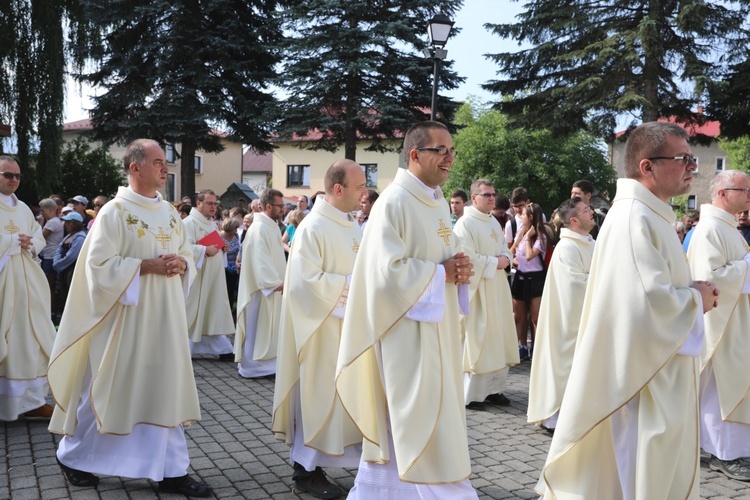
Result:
{"points": [[353, 70], [589, 61], [174, 71]]}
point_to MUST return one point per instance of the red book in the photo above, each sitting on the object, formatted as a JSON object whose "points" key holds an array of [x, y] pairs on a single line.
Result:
{"points": [[212, 239]]}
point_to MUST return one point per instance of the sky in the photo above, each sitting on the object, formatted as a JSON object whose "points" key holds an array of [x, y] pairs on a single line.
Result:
{"points": [[466, 49]]}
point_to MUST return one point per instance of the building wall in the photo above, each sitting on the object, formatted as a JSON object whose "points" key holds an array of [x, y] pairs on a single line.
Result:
{"points": [[256, 180], [220, 170], [319, 161], [707, 160]]}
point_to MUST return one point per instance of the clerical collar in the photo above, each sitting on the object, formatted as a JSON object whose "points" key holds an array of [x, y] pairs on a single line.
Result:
{"points": [[146, 198], [344, 215], [8, 200], [431, 191]]}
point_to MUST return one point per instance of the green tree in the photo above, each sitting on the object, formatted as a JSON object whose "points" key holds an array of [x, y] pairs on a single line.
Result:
{"points": [[353, 70], [584, 62], [173, 71], [729, 101], [738, 152], [509, 157], [88, 171], [36, 39]]}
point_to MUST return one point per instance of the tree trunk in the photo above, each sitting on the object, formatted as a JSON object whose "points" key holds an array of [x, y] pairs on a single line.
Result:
{"points": [[187, 169]]}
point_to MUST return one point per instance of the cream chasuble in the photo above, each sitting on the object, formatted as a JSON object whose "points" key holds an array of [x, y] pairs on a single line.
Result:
{"points": [[490, 342], [139, 355], [408, 235], [559, 317], [637, 313], [208, 310], [325, 246], [716, 253], [263, 267], [26, 331]]}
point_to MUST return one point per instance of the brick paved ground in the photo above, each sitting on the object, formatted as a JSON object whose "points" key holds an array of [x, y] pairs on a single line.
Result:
{"points": [[233, 450]]}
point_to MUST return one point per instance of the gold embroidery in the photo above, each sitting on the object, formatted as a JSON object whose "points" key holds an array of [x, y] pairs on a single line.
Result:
{"points": [[12, 228], [355, 246], [494, 235], [163, 238], [444, 232]]}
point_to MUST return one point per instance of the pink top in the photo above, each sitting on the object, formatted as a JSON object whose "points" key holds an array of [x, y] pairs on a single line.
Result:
{"points": [[537, 263]]}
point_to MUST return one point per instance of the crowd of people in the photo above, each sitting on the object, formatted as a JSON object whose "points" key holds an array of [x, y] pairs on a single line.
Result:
{"points": [[384, 318]]}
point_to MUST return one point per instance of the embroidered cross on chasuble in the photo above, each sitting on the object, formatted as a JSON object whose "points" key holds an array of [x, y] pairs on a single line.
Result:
{"points": [[444, 232], [163, 238], [12, 228]]}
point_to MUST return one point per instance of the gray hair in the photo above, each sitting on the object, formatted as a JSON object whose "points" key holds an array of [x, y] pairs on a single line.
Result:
{"points": [[135, 152], [48, 203], [724, 180]]}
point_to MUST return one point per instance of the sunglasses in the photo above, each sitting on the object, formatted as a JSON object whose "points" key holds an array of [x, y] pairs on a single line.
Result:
{"points": [[11, 175]]}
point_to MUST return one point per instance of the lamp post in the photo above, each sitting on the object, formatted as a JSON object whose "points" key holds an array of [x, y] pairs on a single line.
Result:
{"points": [[439, 29]]}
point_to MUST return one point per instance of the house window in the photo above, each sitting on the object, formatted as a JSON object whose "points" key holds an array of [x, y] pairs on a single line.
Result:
{"points": [[371, 173], [697, 165], [719, 163], [170, 187], [298, 176], [692, 203], [198, 164], [171, 154]]}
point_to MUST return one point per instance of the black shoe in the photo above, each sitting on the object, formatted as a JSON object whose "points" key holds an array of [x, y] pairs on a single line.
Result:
{"points": [[549, 430], [315, 483], [78, 477], [736, 469], [498, 399], [476, 405], [226, 357], [185, 485]]}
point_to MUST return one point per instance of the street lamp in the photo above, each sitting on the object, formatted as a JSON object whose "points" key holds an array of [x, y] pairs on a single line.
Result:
{"points": [[439, 29]]}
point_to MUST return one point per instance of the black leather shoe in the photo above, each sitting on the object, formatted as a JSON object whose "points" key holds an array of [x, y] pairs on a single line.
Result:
{"points": [[316, 484], [185, 485], [735, 469], [476, 405], [78, 477], [227, 357], [498, 399]]}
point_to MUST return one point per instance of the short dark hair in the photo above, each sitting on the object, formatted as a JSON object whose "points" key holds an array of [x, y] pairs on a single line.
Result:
{"points": [[202, 195], [185, 208], [336, 174], [567, 209], [372, 196], [519, 194], [502, 202], [418, 135], [268, 196], [460, 193], [584, 185], [647, 141]]}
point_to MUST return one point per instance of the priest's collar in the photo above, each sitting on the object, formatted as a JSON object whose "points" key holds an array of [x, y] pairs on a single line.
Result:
{"points": [[430, 191], [634, 190], [344, 215], [146, 199], [8, 200]]}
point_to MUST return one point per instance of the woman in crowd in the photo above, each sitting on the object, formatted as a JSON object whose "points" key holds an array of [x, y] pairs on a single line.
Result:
{"points": [[295, 217], [231, 240], [53, 234], [529, 249], [64, 261]]}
